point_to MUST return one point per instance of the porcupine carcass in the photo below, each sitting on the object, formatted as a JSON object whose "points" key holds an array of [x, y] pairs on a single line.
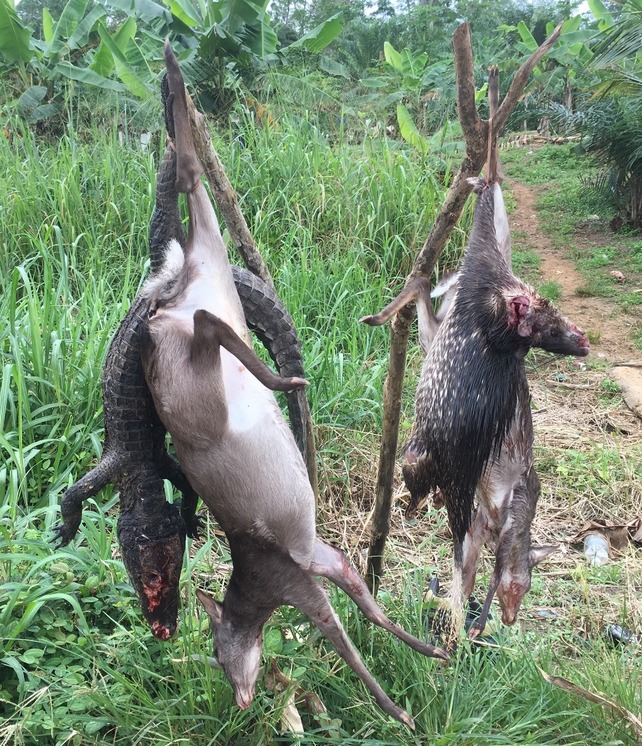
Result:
{"points": [[472, 376], [509, 488], [151, 530]]}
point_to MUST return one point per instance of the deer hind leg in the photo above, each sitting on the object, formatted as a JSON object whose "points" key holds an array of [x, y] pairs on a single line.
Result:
{"points": [[333, 564], [188, 166], [477, 535], [211, 333], [314, 602], [416, 291], [417, 287], [478, 625]]}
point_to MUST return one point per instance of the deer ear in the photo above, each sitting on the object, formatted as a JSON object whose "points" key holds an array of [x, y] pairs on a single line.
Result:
{"points": [[519, 308], [212, 607], [541, 553]]}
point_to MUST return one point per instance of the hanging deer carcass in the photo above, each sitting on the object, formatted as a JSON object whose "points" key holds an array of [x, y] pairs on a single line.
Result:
{"points": [[213, 395]]}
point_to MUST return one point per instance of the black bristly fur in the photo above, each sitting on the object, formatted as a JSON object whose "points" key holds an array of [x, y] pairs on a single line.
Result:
{"points": [[463, 408], [471, 382]]}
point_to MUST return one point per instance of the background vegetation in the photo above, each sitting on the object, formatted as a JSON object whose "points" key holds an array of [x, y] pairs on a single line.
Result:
{"points": [[338, 132]]}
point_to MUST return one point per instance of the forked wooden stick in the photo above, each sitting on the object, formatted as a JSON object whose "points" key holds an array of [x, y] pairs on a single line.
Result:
{"points": [[475, 132], [225, 196]]}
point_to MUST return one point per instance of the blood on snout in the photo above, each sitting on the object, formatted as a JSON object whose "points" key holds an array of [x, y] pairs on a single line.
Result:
{"points": [[510, 599], [162, 631]]}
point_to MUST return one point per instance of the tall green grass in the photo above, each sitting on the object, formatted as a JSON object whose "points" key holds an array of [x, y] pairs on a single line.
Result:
{"points": [[66, 279], [339, 228]]}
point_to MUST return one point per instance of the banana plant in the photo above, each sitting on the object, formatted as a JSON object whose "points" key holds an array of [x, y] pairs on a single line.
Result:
{"points": [[412, 83], [555, 75], [15, 37], [63, 53], [214, 39]]}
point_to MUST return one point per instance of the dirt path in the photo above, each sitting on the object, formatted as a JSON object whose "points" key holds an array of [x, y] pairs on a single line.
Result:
{"points": [[596, 315]]}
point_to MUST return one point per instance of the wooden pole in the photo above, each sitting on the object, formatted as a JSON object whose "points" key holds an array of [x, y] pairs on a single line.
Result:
{"points": [[475, 132], [225, 196]]}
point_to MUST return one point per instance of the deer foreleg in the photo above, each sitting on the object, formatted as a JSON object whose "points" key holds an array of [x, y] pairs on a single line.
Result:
{"points": [[211, 332], [478, 626]]}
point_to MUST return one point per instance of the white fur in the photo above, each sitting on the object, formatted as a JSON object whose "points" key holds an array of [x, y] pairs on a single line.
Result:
{"points": [[173, 262], [502, 229], [444, 285]]}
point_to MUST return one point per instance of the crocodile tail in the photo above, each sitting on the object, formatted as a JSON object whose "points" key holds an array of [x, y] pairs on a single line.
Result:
{"points": [[268, 318], [166, 221], [166, 101]]}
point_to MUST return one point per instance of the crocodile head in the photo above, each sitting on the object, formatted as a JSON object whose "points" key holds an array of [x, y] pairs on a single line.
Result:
{"points": [[152, 552]]}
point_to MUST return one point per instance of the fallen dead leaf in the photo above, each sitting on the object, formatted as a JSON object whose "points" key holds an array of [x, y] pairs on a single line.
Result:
{"points": [[599, 699]]}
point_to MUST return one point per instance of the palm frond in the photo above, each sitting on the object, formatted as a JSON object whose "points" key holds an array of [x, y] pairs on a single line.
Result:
{"points": [[623, 40]]}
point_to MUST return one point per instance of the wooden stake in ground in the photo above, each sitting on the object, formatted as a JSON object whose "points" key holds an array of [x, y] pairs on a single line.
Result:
{"points": [[475, 132], [226, 201]]}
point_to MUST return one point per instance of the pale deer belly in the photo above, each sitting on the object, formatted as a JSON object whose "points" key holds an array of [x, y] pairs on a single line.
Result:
{"points": [[248, 401], [256, 483], [214, 293]]}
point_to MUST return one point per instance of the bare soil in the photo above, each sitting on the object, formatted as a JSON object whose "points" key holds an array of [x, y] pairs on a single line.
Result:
{"points": [[615, 343]]}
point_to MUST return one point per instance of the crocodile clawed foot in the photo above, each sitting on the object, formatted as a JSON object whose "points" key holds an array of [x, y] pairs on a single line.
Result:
{"points": [[63, 534], [194, 524]]}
